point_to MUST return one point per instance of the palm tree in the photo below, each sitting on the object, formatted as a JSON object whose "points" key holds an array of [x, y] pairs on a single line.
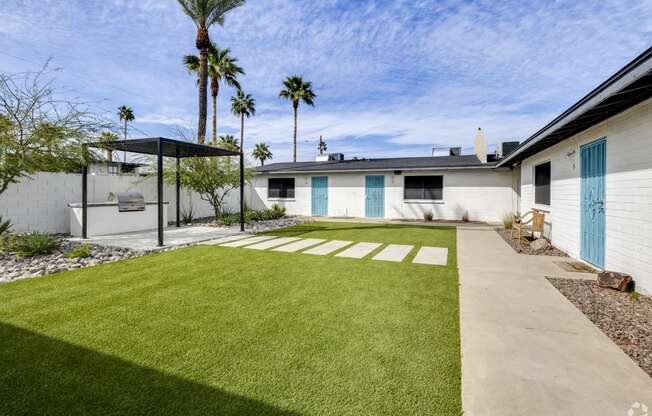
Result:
{"points": [[261, 152], [205, 13], [322, 145], [242, 105], [105, 137], [229, 142], [297, 90], [126, 114], [221, 66]]}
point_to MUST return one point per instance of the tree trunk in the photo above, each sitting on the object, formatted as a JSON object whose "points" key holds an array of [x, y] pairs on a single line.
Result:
{"points": [[216, 211], [242, 133], [242, 172], [109, 155], [125, 152], [214, 91], [202, 43], [294, 151]]}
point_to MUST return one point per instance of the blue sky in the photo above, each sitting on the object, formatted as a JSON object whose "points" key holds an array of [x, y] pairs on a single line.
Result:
{"points": [[393, 78]]}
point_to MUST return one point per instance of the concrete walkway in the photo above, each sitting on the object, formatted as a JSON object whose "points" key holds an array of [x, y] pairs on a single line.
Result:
{"points": [[526, 350]]}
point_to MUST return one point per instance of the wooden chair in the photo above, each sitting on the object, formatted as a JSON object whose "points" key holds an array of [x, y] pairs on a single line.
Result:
{"points": [[534, 224]]}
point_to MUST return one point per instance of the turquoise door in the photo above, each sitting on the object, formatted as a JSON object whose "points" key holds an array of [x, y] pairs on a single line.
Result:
{"points": [[320, 196], [374, 203], [593, 160]]}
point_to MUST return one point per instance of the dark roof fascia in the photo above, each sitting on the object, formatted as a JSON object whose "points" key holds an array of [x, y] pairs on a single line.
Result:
{"points": [[640, 67], [420, 169], [149, 145]]}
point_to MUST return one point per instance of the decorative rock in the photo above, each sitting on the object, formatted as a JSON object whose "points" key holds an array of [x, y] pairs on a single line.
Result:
{"points": [[539, 244], [614, 280]]}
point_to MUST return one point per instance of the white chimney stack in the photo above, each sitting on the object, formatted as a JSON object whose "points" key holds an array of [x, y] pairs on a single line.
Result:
{"points": [[480, 145]]}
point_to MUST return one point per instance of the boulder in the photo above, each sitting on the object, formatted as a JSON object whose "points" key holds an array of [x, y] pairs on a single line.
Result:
{"points": [[614, 280], [539, 244]]}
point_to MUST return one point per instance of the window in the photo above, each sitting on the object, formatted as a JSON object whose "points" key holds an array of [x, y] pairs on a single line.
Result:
{"points": [[424, 187], [280, 188], [542, 184]]}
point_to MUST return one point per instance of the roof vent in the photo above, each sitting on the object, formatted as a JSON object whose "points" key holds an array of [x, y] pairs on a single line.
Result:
{"points": [[455, 151]]}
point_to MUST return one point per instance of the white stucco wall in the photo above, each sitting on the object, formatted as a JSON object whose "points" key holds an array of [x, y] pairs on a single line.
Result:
{"points": [[486, 194], [628, 209], [40, 204]]}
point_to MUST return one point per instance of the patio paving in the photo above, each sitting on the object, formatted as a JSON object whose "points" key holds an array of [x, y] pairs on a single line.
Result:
{"points": [[394, 252], [273, 243], [359, 250], [328, 248], [299, 245], [525, 348], [148, 240]]}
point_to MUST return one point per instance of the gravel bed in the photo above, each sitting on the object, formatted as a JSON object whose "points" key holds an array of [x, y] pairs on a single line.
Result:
{"points": [[525, 245], [624, 319], [13, 267]]}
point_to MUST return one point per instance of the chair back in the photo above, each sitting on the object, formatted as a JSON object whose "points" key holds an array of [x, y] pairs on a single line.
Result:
{"points": [[538, 220]]}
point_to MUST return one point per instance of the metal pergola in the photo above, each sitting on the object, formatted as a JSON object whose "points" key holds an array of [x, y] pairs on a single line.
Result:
{"points": [[160, 147]]}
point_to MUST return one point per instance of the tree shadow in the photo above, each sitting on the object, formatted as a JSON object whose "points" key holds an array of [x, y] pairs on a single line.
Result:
{"points": [[43, 376]]}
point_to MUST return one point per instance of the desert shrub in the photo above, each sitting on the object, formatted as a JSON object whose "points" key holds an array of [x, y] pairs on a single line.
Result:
{"points": [[465, 216], [5, 226], [278, 210], [81, 252], [273, 213], [428, 216], [33, 244], [508, 220], [188, 215]]}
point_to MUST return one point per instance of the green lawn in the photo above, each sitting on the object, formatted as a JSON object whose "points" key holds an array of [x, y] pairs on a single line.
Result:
{"points": [[229, 331]]}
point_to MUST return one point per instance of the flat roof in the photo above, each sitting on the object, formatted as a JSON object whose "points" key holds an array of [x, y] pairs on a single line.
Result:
{"points": [[170, 147], [631, 85], [386, 164]]}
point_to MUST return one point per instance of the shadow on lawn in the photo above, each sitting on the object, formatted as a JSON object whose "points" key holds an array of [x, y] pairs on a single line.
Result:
{"points": [[43, 376]]}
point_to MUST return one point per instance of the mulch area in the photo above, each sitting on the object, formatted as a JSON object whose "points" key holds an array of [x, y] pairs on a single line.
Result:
{"points": [[525, 245], [625, 319]]}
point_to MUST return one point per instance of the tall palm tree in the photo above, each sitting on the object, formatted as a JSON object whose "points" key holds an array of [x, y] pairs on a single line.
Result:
{"points": [[205, 13], [105, 137], [242, 105], [221, 66], [261, 152], [229, 142], [297, 90], [126, 114]]}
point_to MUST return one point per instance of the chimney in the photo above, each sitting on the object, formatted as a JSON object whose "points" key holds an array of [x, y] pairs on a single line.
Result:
{"points": [[480, 145]]}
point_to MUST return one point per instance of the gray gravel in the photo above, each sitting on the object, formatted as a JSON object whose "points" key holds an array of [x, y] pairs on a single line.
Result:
{"points": [[628, 322]]}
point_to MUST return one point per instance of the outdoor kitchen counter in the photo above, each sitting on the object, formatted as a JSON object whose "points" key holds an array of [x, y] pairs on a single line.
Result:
{"points": [[105, 219]]}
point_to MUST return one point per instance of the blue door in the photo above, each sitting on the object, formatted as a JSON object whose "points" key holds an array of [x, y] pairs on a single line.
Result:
{"points": [[374, 203], [593, 160], [320, 196]]}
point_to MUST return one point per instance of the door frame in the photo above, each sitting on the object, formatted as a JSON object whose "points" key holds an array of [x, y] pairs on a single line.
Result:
{"points": [[366, 199], [599, 231]]}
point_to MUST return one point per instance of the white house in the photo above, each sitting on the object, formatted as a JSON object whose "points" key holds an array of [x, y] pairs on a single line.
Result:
{"points": [[590, 169]]}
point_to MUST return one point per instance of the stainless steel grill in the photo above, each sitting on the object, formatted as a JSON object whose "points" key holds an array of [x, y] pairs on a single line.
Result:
{"points": [[130, 201]]}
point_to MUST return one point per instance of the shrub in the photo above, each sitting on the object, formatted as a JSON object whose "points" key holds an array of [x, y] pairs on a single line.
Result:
{"points": [[81, 252], [508, 220], [188, 215], [465, 216], [33, 244], [428, 216], [278, 210], [5, 226]]}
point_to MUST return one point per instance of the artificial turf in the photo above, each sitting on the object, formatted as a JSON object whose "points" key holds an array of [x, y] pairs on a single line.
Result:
{"points": [[229, 331]]}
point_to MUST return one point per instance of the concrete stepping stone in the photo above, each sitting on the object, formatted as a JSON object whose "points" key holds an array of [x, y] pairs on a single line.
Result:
{"points": [[248, 241], [393, 252], [225, 239], [328, 248], [359, 250], [272, 243], [432, 255], [299, 245]]}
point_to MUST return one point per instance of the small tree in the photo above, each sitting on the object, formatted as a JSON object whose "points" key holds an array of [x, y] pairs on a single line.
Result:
{"points": [[211, 178], [38, 131]]}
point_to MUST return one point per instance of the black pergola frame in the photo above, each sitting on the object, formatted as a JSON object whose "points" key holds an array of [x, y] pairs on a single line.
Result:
{"points": [[159, 147]]}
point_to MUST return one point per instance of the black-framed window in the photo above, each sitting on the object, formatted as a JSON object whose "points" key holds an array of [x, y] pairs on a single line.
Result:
{"points": [[424, 187], [280, 188], [542, 184]]}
